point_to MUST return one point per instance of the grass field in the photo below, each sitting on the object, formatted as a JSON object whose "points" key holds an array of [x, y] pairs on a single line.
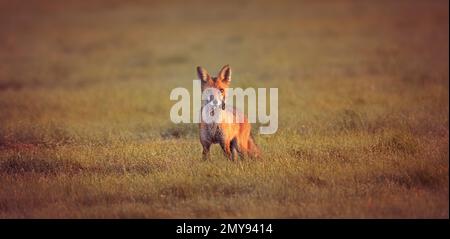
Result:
{"points": [[363, 109]]}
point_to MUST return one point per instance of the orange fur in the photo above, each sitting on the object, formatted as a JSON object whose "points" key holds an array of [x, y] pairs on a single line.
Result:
{"points": [[234, 138]]}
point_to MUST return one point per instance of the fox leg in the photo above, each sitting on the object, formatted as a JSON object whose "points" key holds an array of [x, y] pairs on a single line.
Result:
{"points": [[242, 147], [206, 147], [234, 149], [225, 144]]}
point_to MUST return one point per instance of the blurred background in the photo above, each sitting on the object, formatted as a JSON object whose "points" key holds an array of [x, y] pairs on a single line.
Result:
{"points": [[69, 63]]}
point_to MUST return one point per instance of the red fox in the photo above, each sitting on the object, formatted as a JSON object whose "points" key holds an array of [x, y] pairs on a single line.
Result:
{"points": [[234, 138]]}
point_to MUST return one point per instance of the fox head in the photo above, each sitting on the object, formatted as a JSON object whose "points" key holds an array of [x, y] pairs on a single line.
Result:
{"points": [[215, 87]]}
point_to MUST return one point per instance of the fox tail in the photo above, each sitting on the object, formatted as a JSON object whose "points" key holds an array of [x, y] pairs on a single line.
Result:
{"points": [[253, 149]]}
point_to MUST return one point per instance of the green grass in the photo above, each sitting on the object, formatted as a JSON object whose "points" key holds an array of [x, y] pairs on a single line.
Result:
{"points": [[363, 109]]}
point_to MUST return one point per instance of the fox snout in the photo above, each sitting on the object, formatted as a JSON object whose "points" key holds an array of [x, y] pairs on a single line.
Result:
{"points": [[214, 100]]}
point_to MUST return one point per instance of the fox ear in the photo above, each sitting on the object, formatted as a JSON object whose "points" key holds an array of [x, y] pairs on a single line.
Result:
{"points": [[202, 74], [225, 74]]}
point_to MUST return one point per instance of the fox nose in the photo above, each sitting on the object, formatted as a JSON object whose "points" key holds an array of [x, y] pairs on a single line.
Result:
{"points": [[215, 102]]}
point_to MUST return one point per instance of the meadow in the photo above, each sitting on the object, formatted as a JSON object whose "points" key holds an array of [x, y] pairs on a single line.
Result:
{"points": [[85, 130]]}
